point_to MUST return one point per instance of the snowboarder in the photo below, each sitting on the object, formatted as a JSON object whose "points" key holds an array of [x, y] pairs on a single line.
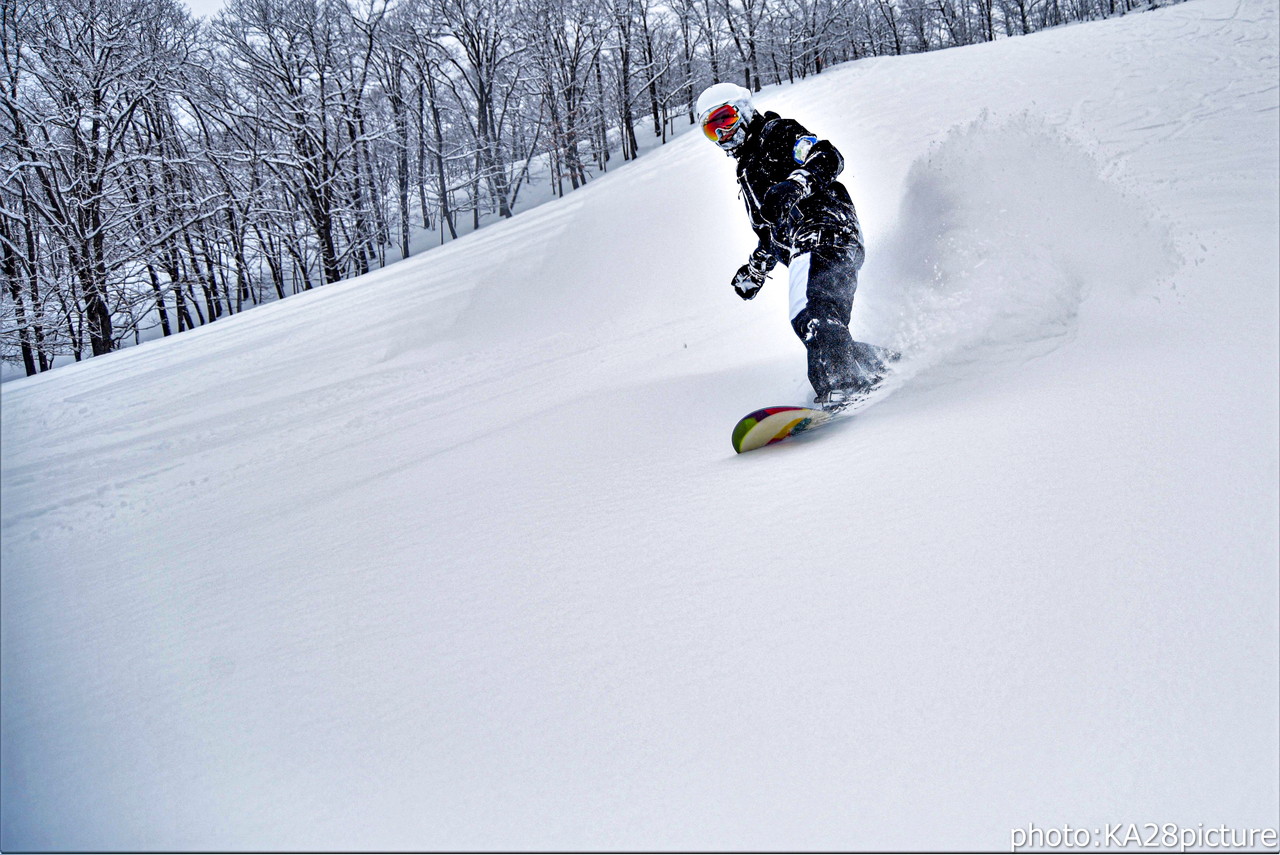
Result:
{"points": [[805, 219]]}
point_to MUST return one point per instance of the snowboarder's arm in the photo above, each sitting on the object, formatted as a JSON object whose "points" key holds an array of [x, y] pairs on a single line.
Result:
{"points": [[764, 249], [818, 160], [817, 163]]}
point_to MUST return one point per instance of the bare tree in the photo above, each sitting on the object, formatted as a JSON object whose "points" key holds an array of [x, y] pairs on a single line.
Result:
{"points": [[76, 80]]}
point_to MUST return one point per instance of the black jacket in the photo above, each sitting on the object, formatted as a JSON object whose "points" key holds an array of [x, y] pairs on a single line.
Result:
{"points": [[775, 148]]}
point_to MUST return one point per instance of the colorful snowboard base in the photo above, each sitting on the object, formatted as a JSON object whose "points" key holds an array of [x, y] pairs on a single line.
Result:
{"points": [[774, 424]]}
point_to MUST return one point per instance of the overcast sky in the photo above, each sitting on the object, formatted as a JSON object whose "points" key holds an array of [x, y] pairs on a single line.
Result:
{"points": [[204, 8]]}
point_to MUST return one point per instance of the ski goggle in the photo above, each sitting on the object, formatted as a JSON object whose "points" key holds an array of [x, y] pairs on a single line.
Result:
{"points": [[721, 123]]}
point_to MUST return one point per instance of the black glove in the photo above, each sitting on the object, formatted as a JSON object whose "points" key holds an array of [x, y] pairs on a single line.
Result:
{"points": [[781, 197], [750, 277], [746, 283]]}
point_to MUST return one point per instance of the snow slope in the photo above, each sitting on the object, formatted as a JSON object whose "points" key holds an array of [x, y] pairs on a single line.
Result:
{"points": [[458, 555]]}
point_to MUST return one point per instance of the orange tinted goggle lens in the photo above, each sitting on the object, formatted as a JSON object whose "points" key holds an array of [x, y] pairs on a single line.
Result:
{"points": [[720, 123]]}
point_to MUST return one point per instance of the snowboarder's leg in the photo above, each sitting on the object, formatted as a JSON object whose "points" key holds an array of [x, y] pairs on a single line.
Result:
{"points": [[823, 282]]}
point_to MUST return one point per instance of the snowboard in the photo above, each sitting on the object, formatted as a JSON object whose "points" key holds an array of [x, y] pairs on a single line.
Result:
{"points": [[774, 424]]}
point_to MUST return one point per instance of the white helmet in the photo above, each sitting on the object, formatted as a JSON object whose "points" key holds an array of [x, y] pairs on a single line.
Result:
{"points": [[727, 128]]}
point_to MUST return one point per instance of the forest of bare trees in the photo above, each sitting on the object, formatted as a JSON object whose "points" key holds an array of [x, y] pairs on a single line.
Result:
{"points": [[159, 172]]}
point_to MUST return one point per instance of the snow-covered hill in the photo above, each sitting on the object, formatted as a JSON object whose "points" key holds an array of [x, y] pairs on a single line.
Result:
{"points": [[458, 555]]}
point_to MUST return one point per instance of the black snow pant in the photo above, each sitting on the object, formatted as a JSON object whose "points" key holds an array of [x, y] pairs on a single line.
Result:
{"points": [[823, 282]]}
